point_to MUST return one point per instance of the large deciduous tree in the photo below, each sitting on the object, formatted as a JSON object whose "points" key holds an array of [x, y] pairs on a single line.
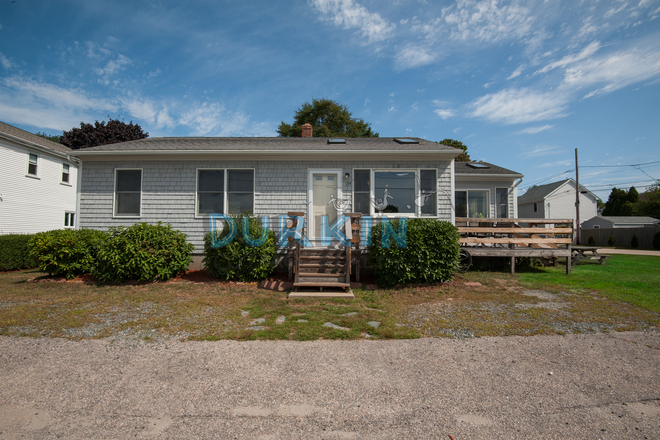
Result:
{"points": [[101, 133], [464, 157], [328, 119], [649, 201]]}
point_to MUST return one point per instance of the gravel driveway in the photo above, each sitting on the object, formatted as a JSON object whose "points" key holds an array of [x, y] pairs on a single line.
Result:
{"points": [[577, 386]]}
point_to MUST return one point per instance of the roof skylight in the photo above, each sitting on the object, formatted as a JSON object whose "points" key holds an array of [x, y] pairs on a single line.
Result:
{"points": [[406, 141], [336, 141], [478, 165]]}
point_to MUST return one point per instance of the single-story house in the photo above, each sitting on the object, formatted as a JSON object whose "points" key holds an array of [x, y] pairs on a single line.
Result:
{"points": [[38, 183], [182, 181], [557, 200], [632, 221]]}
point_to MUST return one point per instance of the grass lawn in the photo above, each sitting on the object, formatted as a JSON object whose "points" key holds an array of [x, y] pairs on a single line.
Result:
{"points": [[633, 279], [620, 295]]}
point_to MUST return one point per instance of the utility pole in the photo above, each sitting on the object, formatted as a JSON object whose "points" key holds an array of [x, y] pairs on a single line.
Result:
{"points": [[577, 199]]}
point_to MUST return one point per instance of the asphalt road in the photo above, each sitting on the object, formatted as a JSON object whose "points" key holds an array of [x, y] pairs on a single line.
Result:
{"points": [[599, 386]]}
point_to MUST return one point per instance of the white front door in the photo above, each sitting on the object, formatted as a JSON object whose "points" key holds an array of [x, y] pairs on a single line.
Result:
{"points": [[325, 196]]}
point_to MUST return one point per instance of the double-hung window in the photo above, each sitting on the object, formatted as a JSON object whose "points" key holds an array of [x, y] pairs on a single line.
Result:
{"points": [[65, 173], [69, 219], [472, 203], [502, 202], [408, 192], [128, 193], [32, 164], [221, 191]]}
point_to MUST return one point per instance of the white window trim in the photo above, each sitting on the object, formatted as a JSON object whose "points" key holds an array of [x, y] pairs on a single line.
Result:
{"points": [[310, 195], [114, 193], [67, 182], [488, 198], [372, 192], [225, 201], [73, 226], [28, 173]]}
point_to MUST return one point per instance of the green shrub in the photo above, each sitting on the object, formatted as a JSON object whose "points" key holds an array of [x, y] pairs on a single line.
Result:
{"points": [[592, 240], [634, 242], [67, 252], [238, 260], [656, 240], [143, 252], [611, 240], [15, 253], [431, 254]]}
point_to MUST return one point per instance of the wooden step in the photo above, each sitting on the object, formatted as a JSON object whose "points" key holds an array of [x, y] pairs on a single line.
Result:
{"points": [[320, 275], [320, 284]]}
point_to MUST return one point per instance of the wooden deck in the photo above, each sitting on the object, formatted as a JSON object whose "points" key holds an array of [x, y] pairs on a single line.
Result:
{"points": [[497, 237]]}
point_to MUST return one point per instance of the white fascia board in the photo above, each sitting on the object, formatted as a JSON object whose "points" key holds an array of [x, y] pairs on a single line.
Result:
{"points": [[28, 144], [266, 154], [481, 177]]}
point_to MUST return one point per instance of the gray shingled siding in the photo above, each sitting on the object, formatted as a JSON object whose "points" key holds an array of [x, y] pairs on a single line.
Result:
{"points": [[168, 190]]}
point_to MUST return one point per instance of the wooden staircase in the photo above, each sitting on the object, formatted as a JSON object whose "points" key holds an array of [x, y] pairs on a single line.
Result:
{"points": [[320, 271]]}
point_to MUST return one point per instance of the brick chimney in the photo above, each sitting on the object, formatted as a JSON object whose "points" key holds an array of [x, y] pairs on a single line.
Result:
{"points": [[307, 130]]}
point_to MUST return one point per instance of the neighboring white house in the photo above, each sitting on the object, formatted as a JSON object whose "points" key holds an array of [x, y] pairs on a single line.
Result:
{"points": [[38, 183], [557, 200], [620, 222]]}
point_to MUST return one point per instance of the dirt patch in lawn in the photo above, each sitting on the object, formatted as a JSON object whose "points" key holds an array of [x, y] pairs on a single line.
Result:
{"points": [[196, 306]]}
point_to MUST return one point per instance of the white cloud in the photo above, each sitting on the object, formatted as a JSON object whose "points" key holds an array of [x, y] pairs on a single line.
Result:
{"points": [[113, 66], [6, 62], [612, 11], [517, 72], [444, 113], [541, 150], [615, 71], [487, 21], [149, 112], [587, 27], [412, 56], [52, 95], [513, 106], [354, 16], [534, 130], [487, 85], [587, 52]]}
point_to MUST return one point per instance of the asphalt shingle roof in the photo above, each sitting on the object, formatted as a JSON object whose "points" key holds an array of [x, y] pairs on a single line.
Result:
{"points": [[27, 136], [542, 191], [630, 219], [465, 168], [267, 144]]}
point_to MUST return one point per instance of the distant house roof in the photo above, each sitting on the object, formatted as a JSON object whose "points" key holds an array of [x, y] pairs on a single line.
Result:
{"points": [[542, 191], [482, 168], [14, 132], [232, 144], [627, 220]]}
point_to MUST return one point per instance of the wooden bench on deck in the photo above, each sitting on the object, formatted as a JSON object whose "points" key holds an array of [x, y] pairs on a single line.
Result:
{"points": [[506, 237]]}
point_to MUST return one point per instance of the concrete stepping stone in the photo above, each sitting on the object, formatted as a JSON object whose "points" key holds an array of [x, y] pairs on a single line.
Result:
{"points": [[350, 314], [374, 324], [258, 321], [303, 320], [335, 326], [256, 327], [280, 320], [244, 313]]}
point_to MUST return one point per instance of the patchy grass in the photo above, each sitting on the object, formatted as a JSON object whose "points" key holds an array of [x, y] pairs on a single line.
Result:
{"points": [[186, 310], [633, 279]]}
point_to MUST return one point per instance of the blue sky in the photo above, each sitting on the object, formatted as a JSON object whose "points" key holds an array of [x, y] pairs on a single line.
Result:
{"points": [[521, 83]]}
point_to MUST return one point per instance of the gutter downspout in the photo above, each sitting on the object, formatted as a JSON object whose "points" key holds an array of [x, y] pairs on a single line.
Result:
{"points": [[78, 188], [515, 197]]}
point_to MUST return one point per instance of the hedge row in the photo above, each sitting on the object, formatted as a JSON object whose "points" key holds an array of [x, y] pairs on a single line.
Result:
{"points": [[15, 253]]}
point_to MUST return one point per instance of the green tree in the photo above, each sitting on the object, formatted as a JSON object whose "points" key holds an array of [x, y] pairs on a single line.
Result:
{"points": [[621, 202], [649, 202], [464, 157], [328, 119], [101, 133], [50, 137]]}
